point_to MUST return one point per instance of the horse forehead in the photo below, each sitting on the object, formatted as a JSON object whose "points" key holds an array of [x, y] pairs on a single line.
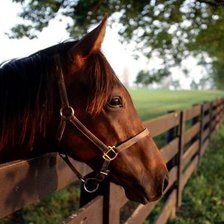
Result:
{"points": [[120, 89]]}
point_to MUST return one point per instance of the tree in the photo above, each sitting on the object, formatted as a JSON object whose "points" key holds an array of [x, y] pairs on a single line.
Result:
{"points": [[205, 81], [175, 84], [194, 85], [142, 78], [148, 77], [172, 30]]}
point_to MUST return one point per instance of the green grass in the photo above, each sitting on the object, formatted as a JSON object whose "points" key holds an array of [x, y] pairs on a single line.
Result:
{"points": [[203, 197], [52, 209], [152, 103]]}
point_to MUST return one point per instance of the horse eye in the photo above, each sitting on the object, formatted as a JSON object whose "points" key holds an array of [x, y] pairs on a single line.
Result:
{"points": [[115, 101]]}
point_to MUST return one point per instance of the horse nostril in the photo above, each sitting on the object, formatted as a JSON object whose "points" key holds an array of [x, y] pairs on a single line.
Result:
{"points": [[165, 182]]}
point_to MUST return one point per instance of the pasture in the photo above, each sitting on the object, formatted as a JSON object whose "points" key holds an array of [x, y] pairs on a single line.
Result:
{"points": [[149, 104], [153, 103], [203, 197]]}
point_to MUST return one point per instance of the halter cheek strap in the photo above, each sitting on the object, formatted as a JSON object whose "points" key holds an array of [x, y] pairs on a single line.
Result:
{"points": [[109, 153]]}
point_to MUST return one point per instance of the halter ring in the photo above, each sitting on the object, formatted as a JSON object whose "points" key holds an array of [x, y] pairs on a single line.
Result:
{"points": [[67, 112], [91, 187]]}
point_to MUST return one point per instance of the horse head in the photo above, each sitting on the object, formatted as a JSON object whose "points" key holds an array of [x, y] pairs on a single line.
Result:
{"points": [[103, 106]]}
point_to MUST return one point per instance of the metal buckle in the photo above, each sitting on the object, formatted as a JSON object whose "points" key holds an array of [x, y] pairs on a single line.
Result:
{"points": [[111, 154]]}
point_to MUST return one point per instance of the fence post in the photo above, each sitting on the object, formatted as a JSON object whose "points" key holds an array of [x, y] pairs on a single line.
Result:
{"points": [[171, 134], [210, 121], [114, 204], [86, 197], [180, 154], [201, 119], [212, 117], [194, 120]]}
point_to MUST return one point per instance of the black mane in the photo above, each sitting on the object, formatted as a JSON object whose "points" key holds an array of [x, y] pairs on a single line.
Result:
{"points": [[26, 95]]}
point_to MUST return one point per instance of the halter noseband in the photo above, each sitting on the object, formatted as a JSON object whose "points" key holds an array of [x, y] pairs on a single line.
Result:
{"points": [[109, 153]]}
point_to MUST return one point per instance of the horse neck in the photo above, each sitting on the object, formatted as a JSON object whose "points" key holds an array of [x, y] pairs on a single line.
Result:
{"points": [[28, 113]]}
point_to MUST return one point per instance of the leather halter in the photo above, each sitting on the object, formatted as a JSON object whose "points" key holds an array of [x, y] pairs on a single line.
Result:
{"points": [[109, 153]]}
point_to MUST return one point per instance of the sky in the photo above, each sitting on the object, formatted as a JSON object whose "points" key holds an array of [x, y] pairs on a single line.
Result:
{"points": [[119, 56]]}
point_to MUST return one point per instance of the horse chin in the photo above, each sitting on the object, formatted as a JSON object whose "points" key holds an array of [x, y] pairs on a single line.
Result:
{"points": [[141, 198], [139, 195]]}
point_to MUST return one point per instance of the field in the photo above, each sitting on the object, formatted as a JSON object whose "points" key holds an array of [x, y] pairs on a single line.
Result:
{"points": [[152, 103], [203, 198]]}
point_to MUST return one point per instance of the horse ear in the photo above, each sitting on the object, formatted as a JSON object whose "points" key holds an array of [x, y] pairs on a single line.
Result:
{"points": [[90, 43]]}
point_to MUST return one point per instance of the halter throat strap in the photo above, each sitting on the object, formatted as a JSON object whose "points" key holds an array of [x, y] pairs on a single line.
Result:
{"points": [[109, 153]]}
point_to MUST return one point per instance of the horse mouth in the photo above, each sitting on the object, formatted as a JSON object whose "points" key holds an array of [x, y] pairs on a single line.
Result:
{"points": [[137, 197], [140, 195]]}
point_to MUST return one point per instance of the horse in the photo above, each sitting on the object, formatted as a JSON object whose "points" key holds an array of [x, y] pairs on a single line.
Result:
{"points": [[67, 99]]}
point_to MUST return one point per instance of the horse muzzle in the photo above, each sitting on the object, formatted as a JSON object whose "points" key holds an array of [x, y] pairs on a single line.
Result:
{"points": [[147, 189]]}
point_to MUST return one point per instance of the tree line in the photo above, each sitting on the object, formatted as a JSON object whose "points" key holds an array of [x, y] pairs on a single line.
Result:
{"points": [[172, 30]]}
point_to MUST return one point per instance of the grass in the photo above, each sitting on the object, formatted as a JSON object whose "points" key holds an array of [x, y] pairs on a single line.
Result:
{"points": [[52, 209], [152, 103], [203, 197]]}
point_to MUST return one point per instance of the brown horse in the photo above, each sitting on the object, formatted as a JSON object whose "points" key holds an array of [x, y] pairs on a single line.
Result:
{"points": [[67, 99]]}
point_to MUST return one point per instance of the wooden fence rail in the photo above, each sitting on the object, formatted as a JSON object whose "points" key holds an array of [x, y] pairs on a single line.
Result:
{"points": [[185, 136]]}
